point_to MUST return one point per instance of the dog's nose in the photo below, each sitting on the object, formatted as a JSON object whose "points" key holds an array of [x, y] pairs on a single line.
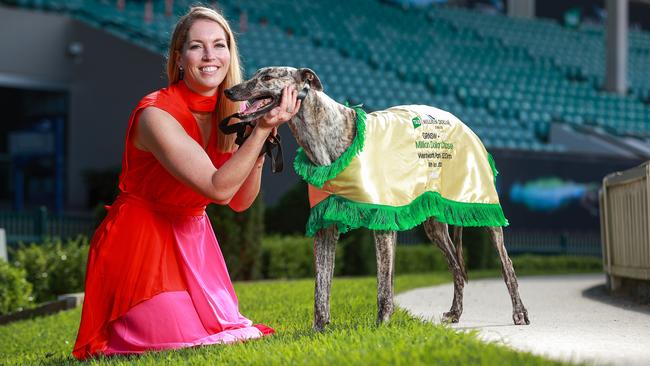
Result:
{"points": [[228, 93]]}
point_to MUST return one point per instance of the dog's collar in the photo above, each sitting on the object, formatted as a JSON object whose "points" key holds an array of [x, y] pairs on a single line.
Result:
{"points": [[239, 128]]}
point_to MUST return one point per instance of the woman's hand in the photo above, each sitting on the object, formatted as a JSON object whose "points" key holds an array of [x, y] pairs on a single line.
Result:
{"points": [[288, 107]]}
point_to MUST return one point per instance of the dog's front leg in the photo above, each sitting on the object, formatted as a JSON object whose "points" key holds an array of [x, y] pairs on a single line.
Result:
{"points": [[385, 249], [324, 252]]}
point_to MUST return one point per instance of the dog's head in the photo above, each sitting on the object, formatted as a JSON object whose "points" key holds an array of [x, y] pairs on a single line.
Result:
{"points": [[263, 91]]}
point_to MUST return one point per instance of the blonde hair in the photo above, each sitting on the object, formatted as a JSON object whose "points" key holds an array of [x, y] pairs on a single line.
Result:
{"points": [[225, 106]]}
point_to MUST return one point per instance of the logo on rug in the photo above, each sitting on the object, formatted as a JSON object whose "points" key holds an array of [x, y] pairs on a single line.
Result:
{"points": [[416, 122]]}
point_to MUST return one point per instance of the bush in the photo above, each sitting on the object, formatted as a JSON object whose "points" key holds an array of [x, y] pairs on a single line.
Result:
{"points": [[478, 251], [291, 257], [53, 267], [289, 216], [359, 258], [240, 238], [419, 259], [15, 291], [358, 248]]}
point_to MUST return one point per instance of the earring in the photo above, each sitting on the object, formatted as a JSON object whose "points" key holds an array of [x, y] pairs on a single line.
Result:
{"points": [[182, 72]]}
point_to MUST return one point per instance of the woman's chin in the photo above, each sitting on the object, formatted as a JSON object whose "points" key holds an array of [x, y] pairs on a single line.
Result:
{"points": [[206, 85]]}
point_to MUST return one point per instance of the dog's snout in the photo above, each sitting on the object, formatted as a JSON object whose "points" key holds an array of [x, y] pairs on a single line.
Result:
{"points": [[229, 93]]}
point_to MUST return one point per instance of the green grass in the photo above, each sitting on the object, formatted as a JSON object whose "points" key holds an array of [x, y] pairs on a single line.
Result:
{"points": [[351, 339]]}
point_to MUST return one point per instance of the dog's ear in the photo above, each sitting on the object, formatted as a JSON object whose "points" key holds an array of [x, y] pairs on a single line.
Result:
{"points": [[314, 81]]}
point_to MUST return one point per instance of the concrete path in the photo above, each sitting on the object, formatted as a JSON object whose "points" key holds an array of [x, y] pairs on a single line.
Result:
{"points": [[572, 318]]}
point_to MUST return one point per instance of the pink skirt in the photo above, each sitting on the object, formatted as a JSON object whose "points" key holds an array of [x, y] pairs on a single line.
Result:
{"points": [[206, 313]]}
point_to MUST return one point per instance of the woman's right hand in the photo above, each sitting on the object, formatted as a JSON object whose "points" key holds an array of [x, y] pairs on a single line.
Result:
{"points": [[288, 107]]}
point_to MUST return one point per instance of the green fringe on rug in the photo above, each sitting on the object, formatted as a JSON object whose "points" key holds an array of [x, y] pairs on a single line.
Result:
{"points": [[348, 215], [317, 175]]}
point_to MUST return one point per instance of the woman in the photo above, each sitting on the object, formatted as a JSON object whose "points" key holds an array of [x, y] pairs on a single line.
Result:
{"points": [[156, 278]]}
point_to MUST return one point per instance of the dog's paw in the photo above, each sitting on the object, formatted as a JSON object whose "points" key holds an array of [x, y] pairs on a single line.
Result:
{"points": [[520, 317], [319, 326], [450, 317]]}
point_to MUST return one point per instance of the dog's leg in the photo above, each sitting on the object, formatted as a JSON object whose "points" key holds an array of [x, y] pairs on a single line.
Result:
{"points": [[439, 234], [385, 250], [458, 244], [324, 253], [519, 312]]}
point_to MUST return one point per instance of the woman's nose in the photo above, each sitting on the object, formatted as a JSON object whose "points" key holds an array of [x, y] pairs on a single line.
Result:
{"points": [[209, 53]]}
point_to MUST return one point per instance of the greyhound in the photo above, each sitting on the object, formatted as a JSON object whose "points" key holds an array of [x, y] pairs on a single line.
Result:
{"points": [[325, 129]]}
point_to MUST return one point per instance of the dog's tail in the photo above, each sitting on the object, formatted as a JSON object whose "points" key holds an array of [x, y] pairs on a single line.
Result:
{"points": [[458, 243]]}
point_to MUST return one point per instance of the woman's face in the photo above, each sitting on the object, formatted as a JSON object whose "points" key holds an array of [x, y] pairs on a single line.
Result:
{"points": [[205, 57]]}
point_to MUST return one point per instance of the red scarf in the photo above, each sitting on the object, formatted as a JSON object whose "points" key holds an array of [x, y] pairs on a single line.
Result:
{"points": [[197, 102]]}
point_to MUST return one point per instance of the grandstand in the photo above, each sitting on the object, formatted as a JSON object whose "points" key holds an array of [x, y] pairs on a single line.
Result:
{"points": [[509, 79], [527, 87]]}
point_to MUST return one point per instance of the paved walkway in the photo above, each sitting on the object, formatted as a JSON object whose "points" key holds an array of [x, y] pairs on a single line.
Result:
{"points": [[572, 318]]}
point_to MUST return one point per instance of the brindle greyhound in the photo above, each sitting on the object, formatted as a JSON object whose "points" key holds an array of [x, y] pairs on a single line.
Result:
{"points": [[325, 129]]}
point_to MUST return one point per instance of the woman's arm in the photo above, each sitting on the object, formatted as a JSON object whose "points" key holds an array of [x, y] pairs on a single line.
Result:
{"points": [[249, 190], [247, 193], [158, 132]]}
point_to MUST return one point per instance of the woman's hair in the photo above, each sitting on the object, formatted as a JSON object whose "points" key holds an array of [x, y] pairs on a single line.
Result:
{"points": [[225, 106]]}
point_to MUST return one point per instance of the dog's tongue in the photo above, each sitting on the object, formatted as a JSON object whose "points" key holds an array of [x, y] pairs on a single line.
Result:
{"points": [[250, 108]]}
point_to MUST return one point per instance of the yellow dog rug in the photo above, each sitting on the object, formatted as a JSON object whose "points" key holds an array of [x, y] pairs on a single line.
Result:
{"points": [[406, 164]]}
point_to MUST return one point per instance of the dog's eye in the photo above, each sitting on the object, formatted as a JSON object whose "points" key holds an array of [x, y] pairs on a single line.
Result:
{"points": [[266, 78]]}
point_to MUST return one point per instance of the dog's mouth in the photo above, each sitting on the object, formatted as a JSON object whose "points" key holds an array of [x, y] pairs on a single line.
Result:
{"points": [[257, 106]]}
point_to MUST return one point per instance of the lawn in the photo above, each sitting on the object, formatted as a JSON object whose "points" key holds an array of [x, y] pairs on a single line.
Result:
{"points": [[351, 339]]}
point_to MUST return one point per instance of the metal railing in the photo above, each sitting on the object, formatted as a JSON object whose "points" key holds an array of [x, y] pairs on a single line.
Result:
{"points": [[37, 226], [625, 224]]}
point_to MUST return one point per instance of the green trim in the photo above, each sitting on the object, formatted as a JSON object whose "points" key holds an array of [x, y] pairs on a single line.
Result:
{"points": [[493, 166], [348, 215], [317, 175]]}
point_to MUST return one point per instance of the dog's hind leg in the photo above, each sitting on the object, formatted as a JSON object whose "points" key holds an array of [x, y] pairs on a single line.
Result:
{"points": [[458, 244], [519, 312], [439, 234], [324, 253], [385, 250]]}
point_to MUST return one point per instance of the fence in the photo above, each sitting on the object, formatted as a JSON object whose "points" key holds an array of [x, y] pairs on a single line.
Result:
{"points": [[28, 227], [567, 242], [625, 223]]}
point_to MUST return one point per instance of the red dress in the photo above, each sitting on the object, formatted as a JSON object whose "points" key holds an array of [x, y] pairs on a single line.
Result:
{"points": [[156, 278]]}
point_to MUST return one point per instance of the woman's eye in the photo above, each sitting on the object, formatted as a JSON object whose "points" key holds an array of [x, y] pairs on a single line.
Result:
{"points": [[220, 45], [194, 46]]}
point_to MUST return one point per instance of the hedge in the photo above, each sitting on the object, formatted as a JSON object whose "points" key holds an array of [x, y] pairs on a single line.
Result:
{"points": [[15, 291], [53, 267]]}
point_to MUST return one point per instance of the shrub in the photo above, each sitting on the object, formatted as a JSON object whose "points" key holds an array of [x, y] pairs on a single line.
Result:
{"points": [[419, 259], [68, 266], [240, 238], [15, 291], [34, 261], [291, 257], [358, 248], [53, 267], [478, 250], [289, 216]]}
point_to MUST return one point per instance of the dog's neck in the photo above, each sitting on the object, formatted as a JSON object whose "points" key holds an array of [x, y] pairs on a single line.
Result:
{"points": [[323, 127]]}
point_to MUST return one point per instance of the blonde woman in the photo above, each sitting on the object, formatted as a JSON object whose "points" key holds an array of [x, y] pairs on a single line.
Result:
{"points": [[156, 278]]}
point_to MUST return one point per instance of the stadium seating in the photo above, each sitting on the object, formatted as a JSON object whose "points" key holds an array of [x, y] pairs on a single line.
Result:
{"points": [[508, 79]]}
